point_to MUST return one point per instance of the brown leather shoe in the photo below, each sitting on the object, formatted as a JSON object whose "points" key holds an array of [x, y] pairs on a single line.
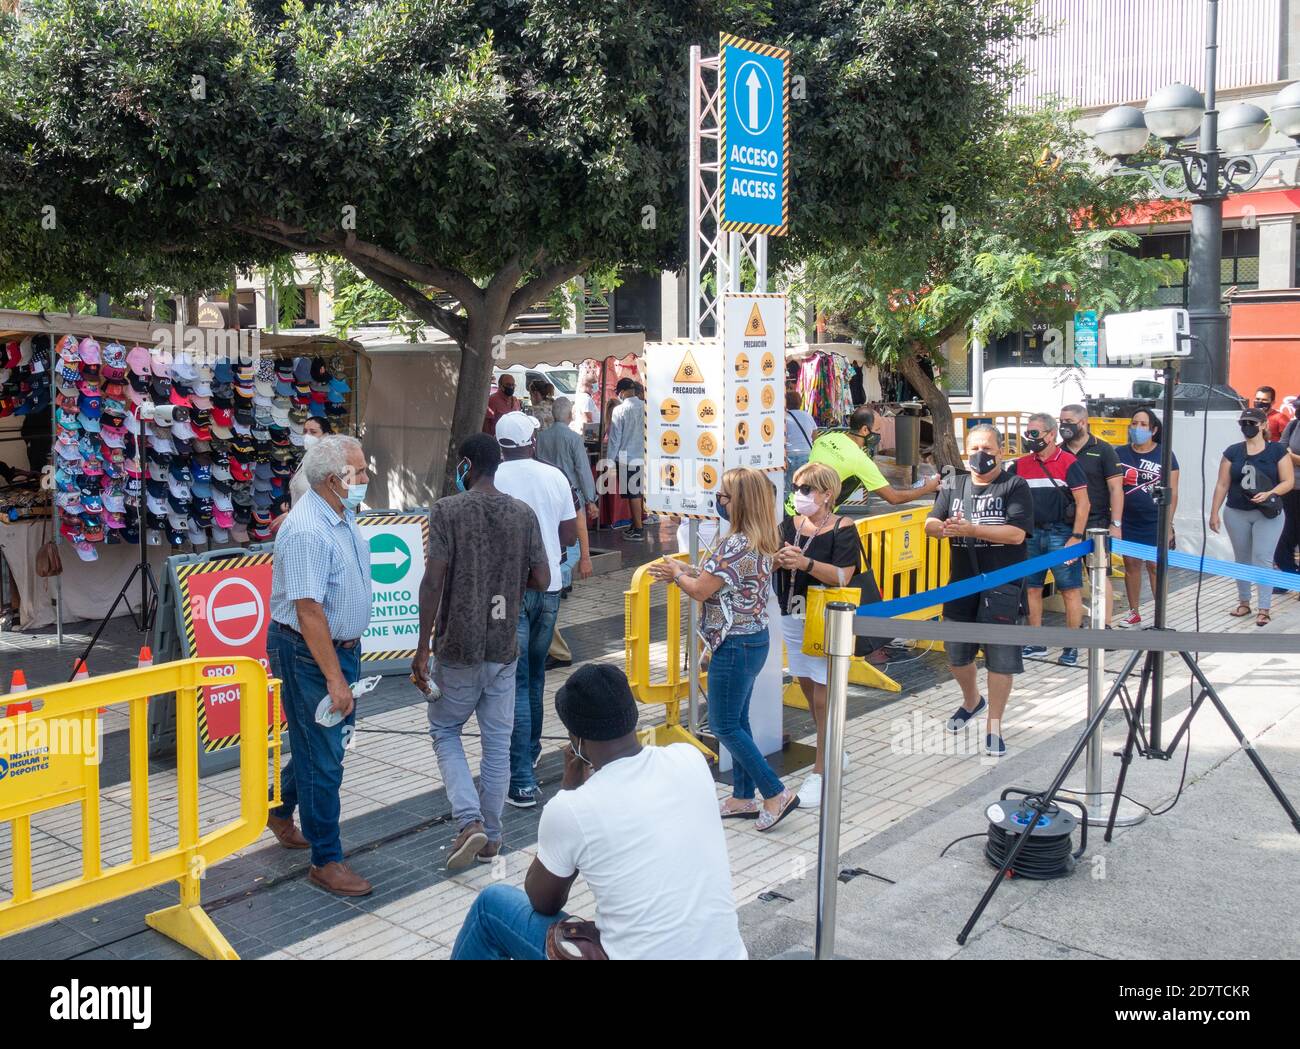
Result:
{"points": [[489, 852], [286, 833], [466, 846], [339, 879]]}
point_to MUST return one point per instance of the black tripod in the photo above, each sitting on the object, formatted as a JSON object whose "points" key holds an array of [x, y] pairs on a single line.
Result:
{"points": [[1206, 692], [144, 619], [1133, 715]]}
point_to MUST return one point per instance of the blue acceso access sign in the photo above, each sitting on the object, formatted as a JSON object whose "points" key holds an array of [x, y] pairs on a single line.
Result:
{"points": [[755, 146]]}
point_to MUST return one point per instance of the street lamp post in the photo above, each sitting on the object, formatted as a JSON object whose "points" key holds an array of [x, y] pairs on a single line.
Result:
{"points": [[1225, 159]]}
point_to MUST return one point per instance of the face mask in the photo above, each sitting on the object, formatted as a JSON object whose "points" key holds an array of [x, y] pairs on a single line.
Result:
{"points": [[309, 440], [983, 462], [722, 510], [1069, 431], [805, 504], [462, 471], [1264, 404], [1139, 434], [1035, 444], [1250, 429], [509, 391], [356, 494]]}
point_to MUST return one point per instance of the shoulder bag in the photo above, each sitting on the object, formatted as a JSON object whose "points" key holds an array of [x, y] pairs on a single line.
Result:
{"points": [[1001, 604], [574, 940], [48, 561]]}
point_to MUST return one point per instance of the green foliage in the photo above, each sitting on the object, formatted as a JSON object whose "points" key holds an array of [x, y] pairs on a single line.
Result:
{"points": [[1038, 246]]}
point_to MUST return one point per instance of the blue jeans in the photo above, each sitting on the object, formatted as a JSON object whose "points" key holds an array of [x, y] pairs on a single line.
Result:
{"points": [[310, 781], [732, 672], [570, 564], [502, 926], [793, 462], [1049, 539], [536, 627], [485, 690]]}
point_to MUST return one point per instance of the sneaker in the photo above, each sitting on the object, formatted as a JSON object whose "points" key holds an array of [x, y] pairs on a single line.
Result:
{"points": [[467, 845], [958, 721], [537, 760], [994, 747], [1069, 657], [632, 536], [1132, 621], [1034, 651], [524, 799], [810, 791]]}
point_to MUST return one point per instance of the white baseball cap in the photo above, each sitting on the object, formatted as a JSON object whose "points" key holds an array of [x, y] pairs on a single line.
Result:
{"points": [[516, 430]]}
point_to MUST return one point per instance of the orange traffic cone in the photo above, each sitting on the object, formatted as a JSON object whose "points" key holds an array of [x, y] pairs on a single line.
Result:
{"points": [[146, 658], [18, 683], [80, 673]]}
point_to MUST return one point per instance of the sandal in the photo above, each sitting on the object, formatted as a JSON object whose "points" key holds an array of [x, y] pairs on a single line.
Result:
{"points": [[1242, 609], [1263, 619], [766, 820], [739, 814]]}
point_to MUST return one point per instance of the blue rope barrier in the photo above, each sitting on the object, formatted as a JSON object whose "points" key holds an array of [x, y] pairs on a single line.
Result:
{"points": [[1211, 566], [976, 584]]}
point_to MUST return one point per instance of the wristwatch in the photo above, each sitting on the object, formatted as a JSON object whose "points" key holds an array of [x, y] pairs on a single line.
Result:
{"points": [[1076, 535], [1117, 524]]}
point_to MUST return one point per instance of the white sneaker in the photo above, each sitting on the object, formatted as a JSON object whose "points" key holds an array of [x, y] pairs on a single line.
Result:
{"points": [[844, 764], [810, 791]]}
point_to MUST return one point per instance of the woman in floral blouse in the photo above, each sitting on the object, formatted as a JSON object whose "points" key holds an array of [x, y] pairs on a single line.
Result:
{"points": [[732, 586]]}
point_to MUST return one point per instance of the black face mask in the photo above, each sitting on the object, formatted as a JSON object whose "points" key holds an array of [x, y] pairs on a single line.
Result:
{"points": [[509, 391], [1068, 431], [1266, 405], [983, 462], [1035, 444], [1250, 429]]}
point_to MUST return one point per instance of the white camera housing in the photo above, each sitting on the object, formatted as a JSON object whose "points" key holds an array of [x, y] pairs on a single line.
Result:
{"points": [[1147, 336]]}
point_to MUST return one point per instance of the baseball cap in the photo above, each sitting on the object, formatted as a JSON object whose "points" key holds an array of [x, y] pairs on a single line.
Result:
{"points": [[516, 430]]}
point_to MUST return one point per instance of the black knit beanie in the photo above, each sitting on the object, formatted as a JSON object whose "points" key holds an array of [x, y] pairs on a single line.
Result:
{"points": [[596, 703]]}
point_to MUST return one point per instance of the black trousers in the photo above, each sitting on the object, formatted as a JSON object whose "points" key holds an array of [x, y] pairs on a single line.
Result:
{"points": [[1285, 555]]}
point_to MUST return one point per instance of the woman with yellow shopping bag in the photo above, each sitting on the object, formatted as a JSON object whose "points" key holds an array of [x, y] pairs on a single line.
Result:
{"points": [[819, 556]]}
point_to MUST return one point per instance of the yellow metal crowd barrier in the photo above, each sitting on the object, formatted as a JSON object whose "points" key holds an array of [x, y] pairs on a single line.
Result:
{"points": [[1011, 425], [675, 685], [50, 758]]}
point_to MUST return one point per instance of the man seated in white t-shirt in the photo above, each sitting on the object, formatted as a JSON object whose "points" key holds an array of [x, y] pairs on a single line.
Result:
{"points": [[640, 823]]}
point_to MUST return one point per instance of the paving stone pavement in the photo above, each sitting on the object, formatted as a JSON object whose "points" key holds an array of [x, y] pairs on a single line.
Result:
{"points": [[395, 812]]}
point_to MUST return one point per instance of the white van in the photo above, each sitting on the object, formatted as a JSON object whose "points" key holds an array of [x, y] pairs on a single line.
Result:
{"points": [[1051, 389]]}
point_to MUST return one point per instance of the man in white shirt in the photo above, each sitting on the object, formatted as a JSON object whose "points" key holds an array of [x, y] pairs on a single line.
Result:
{"points": [[585, 412], [640, 823], [546, 490], [626, 450]]}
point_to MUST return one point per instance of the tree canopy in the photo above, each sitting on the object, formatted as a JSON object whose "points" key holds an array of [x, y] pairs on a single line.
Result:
{"points": [[1039, 245], [489, 150]]}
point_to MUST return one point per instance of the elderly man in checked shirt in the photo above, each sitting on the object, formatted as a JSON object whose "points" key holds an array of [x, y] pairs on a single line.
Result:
{"points": [[320, 607]]}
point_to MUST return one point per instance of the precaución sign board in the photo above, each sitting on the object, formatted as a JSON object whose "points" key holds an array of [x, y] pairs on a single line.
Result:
{"points": [[753, 350], [684, 427]]}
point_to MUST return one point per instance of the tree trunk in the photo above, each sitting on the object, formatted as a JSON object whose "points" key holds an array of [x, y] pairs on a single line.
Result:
{"points": [[472, 389], [232, 300], [946, 452]]}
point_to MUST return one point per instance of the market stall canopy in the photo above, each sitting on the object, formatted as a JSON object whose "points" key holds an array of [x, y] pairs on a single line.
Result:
{"points": [[521, 348]]}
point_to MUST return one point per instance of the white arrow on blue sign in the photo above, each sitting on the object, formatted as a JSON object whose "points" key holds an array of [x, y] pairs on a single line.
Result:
{"points": [[755, 147]]}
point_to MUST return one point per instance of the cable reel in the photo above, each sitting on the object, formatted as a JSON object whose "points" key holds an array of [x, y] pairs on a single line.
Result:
{"points": [[1048, 853]]}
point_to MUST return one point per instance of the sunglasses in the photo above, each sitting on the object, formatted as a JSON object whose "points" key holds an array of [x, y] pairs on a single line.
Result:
{"points": [[805, 489]]}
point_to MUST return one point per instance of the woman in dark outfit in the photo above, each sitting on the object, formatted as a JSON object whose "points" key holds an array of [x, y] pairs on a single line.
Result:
{"points": [[818, 548]]}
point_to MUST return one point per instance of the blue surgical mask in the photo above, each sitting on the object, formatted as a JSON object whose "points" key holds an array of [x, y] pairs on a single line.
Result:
{"points": [[1139, 434], [462, 471], [722, 510], [356, 495]]}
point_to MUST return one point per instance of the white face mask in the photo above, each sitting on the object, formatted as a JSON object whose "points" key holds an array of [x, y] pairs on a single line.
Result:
{"points": [[806, 504], [309, 440]]}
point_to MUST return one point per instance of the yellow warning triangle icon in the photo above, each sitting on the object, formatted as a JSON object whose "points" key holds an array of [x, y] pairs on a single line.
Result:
{"points": [[754, 326], [689, 371]]}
